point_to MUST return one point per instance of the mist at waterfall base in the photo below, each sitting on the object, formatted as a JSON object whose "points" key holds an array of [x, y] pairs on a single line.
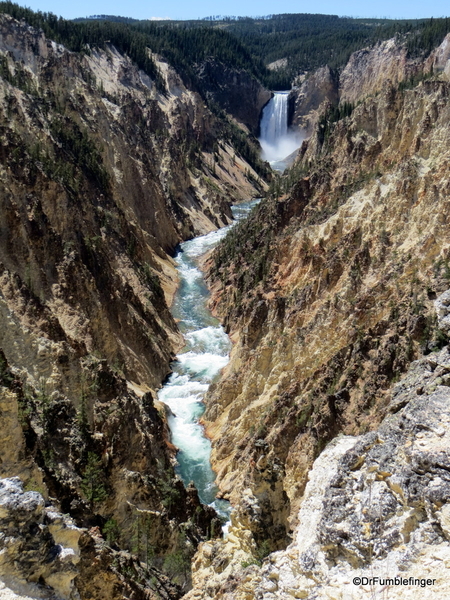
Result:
{"points": [[205, 354], [277, 141]]}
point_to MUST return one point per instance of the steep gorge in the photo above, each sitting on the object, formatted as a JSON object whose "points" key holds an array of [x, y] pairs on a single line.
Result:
{"points": [[327, 292], [102, 175]]}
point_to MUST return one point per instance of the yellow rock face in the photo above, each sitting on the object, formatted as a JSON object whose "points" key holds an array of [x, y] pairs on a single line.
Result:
{"points": [[355, 256]]}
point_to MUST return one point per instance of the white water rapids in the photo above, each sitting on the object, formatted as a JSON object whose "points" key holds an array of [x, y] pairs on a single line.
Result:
{"points": [[277, 141], [205, 354]]}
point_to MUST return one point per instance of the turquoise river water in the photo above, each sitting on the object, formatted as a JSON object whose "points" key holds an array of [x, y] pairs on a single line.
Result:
{"points": [[199, 363]]}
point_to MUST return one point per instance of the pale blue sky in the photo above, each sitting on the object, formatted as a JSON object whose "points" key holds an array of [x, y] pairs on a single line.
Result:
{"points": [[177, 9]]}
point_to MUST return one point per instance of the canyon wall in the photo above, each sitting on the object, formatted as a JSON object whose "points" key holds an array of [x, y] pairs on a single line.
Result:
{"points": [[365, 74], [102, 173], [306, 98], [374, 514], [236, 91], [328, 294]]}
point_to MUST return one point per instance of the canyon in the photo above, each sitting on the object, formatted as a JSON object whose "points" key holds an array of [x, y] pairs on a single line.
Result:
{"points": [[102, 175], [328, 426], [328, 294]]}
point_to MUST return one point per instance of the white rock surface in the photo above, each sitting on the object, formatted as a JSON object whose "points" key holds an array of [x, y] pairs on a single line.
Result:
{"points": [[37, 544]]}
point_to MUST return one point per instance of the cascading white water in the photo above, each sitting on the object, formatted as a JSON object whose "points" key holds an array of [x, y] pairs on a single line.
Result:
{"points": [[274, 121], [277, 142], [205, 354]]}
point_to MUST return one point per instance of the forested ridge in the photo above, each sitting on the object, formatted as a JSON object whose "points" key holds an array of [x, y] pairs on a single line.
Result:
{"points": [[182, 47], [306, 41]]}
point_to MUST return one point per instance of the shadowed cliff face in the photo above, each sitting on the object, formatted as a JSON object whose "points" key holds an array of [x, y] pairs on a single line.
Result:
{"points": [[101, 176], [321, 86], [328, 295], [235, 91]]}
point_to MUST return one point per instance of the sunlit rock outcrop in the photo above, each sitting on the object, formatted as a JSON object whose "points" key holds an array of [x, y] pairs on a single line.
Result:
{"points": [[328, 293]]}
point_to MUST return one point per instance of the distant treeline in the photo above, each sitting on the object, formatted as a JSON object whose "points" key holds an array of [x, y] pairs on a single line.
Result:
{"points": [[113, 18], [310, 41], [306, 41]]}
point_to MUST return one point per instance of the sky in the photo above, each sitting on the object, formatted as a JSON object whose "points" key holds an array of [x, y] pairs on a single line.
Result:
{"points": [[195, 9]]}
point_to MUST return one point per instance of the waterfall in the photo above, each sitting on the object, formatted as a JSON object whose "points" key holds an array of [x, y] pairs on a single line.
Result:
{"points": [[277, 142], [274, 120]]}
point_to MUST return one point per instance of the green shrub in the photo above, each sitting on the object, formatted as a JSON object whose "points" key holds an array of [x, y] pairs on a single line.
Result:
{"points": [[93, 483], [111, 531]]}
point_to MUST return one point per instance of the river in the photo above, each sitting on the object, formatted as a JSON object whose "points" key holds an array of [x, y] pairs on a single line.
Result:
{"points": [[205, 354]]}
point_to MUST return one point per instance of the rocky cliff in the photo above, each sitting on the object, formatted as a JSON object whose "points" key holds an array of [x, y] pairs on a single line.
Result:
{"points": [[102, 174], [365, 74], [373, 519], [236, 91], [368, 70], [306, 98], [328, 294], [45, 555]]}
